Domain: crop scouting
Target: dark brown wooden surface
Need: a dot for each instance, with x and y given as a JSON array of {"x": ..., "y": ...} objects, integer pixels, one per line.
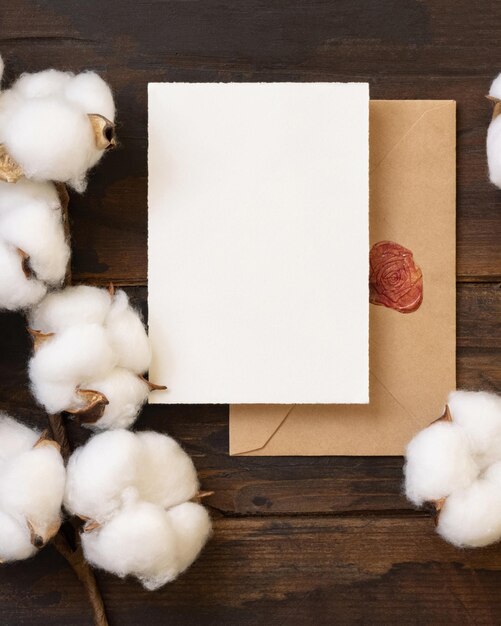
[{"x": 297, "y": 540}]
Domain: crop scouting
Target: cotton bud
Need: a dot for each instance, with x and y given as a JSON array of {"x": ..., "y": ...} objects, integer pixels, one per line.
[
  {"x": 134, "y": 491},
  {"x": 91, "y": 350},
  {"x": 32, "y": 478},
  {"x": 55, "y": 126},
  {"x": 34, "y": 252},
  {"x": 455, "y": 465}
]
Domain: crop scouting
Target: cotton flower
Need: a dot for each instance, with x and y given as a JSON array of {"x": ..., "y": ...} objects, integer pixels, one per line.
[
  {"x": 32, "y": 478},
  {"x": 56, "y": 126},
  {"x": 91, "y": 350},
  {"x": 34, "y": 252},
  {"x": 455, "y": 464},
  {"x": 134, "y": 491},
  {"x": 494, "y": 134}
]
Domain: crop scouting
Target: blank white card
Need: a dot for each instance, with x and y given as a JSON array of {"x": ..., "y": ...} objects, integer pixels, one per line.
[{"x": 258, "y": 242}]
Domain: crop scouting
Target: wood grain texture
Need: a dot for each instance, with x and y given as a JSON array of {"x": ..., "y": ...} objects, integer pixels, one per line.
[
  {"x": 405, "y": 49},
  {"x": 297, "y": 540},
  {"x": 274, "y": 571},
  {"x": 263, "y": 486}
]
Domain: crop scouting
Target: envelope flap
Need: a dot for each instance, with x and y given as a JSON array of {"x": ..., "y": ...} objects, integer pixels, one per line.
[
  {"x": 393, "y": 122},
  {"x": 253, "y": 425}
]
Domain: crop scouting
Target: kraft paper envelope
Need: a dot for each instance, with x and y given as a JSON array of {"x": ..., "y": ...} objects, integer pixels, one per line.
[{"x": 412, "y": 356}]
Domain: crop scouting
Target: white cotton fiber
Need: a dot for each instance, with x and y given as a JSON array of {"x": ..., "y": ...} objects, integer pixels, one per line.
[
  {"x": 494, "y": 138},
  {"x": 438, "y": 461},
  {"x": 32, "y": 478},
  {"x": 14, "y": 438},
  {"x": 73, "y": 355},
  {"x": 457, "y": 465},
  {"x": 136, "y": 487},
  {"x": 126, "y": 393},
  {"x": 471, "y": 517},
  {"x": 166, "y": 474},
  {"x": 139, "y": 541},
  {"x": 126, "y": 332},
  {"x": 151, "y": 464},
  {"x": 495, "y": 88},
  {"x": 91, "y": 94},
  {"x": 32, "y": 485},
  {"x": 15, "y": 542},
  {"x": 41, "y": 84},
  {"x": 99, "y": 472},
  {"x": 478, "y": 413},
  {"x": 149, "y": 543},
  {"x": 70, "y": 307},
  {"x": 53, "y": 395},
  {"x": 24, "y": 191},
  {"x": 34, "y": 253},
  {"x": 45, "y": 125},
  {"x": 100, "y": 344},
  {"x": 16, "y": 291},
  {"x": 38, "y": 231},
  {"x": 191, "y": 524}
]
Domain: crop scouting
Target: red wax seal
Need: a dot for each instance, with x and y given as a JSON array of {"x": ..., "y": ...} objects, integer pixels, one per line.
[{"x": 395, "y": 281}]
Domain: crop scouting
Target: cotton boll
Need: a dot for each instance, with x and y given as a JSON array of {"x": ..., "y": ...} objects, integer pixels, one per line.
[
  {"x": 493, "y": 474},
  {"x": 25, "y": 191},
  {"x": 494, "y": 151},
  {"x": 14, "y": 438},
  {"x": 73, "y": 355},
  {"x": 138, "y": 541},
  {"x": 478, "y": 414},
  {"x": 99, "y": 472},
  {"x": 32, "y": 241},
  {"x": 15, "y": 543},
  {"x": 108, "y": 364},
  {"x": 438, "y": 461},
  {"x": 41, "y": 84},
  {"x": 51, "y": 141},
  {"x": 126, "y": 394},
  {"x": 39, "y": 232},
  {"x": 32, "y": 477},
  {"x": 494, "y": 138},
  {"x": 32, "y": 486},
  {"x": 46, "y": 129},
  {"x": 192, "y": 526},
  {"x": 91, "y": 94},
  {"x": 16, "y": 290},
  {"x": 495, "y": 88},
  {"x": 61, "y": 363},
  {"x": 72, "y": 306},
  {"x": 128, "y": 335},
  {"x": 126, "y": 484},
  {"x": 471, "y": 517},
  {"x": 166, "y": 474},
  {"x": 55, "y": 397}
]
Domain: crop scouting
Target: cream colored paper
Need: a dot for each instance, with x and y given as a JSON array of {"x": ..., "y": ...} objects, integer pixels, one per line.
[
  {"x": 412, "y": 356},
  {"x": 258, "y": 235}
]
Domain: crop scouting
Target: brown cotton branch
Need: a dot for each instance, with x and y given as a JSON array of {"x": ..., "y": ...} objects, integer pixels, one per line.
[
  {"x": 84, "y": 573},
  {"x": 74, "y": 555},
  {"x": 59, "y": 434}
]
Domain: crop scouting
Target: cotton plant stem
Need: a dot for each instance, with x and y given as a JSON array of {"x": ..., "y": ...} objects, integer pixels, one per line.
[
  {"x": 60, "y": 434},
  {"x": 74, "y": 556},
  {"x": 84, "y": 573}
]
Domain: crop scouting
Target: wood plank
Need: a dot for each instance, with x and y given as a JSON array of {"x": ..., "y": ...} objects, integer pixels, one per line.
[
  {"x": 405, "y": 50},
  {"x": 287, "y": 485},
  {"x": 322, "y": 570}
]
